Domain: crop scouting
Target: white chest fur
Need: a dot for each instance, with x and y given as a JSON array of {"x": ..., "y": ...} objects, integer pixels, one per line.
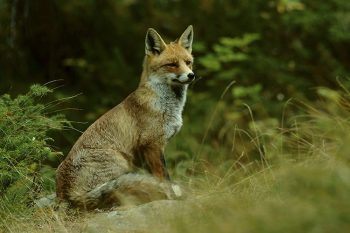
[{"x": 170, "y": 102}]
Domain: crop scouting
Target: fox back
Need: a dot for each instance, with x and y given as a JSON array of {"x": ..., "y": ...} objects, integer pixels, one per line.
[{"x": 119, "y": 159}]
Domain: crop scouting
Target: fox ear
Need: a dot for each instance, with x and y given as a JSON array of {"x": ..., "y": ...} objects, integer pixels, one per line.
[
  {"x": 186, "y": 38},
  {"x": 154, "y": 43}
]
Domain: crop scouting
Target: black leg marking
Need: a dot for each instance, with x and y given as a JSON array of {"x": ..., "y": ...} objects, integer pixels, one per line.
[{"x": 162, "y": 157}]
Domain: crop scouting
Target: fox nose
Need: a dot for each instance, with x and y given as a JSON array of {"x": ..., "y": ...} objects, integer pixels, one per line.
[{"x": 191, "y": 76}]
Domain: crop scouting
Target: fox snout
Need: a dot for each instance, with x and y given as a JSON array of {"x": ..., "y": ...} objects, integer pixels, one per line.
[
  {"x": 185, "y": 78},
  {"x": 191, "y": 76}
]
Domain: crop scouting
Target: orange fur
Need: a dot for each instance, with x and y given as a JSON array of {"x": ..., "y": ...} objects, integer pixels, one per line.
[{"x": 112, "y": 155}]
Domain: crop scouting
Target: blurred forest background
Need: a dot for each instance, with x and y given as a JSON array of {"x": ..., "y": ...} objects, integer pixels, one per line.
[
  {"x": 273, "y": 50},
  {"x": 253, "y": 60}
]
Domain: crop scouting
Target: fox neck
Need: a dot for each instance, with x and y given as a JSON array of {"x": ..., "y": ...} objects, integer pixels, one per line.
[{"x": 168, "y": 98}]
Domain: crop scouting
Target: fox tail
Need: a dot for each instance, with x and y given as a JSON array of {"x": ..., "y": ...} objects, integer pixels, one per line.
[{"x": 130, "y": 188}]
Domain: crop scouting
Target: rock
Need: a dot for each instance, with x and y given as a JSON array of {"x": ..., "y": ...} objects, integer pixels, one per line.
[
  {"x": 155, "y": 216},
  {"x": 46, "y": 201}
]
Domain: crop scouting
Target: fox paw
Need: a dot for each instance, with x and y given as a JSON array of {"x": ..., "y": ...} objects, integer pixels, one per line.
[{"x": 177, "y": 190}]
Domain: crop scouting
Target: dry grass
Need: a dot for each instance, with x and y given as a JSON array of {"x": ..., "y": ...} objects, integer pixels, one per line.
[{"x": 303, "y": 187}]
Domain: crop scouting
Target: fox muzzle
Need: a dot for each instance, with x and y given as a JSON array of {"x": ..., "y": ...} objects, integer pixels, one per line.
[{"x": 184, "y": 78}]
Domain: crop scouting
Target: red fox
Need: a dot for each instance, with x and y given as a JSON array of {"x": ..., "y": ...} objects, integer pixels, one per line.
[{"x": 120, "y": 157}]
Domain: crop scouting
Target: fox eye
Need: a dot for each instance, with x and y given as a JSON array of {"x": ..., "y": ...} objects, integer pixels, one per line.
[
  {"x": 172, "y": 64},
  {"x": 188, "y": 63}
]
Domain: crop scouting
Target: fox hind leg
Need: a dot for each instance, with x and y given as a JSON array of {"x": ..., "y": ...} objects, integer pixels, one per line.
[{"x": 128, "y": 189}]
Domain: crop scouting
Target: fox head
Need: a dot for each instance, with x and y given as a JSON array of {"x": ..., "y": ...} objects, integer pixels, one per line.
[{"x": 168, "y": 63}]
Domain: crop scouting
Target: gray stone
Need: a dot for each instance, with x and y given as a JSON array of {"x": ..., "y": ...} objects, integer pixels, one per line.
[
  {"x": 155, "y": 216},
  {"x": 47, "y": 201}
]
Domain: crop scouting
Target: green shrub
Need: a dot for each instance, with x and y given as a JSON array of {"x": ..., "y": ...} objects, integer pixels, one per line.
[{"x": 25, "y": 143}]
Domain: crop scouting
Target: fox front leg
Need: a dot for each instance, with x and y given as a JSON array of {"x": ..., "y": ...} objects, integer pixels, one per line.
[
  {"x": 156, "y": 163},
  {"x": 151, "y": 158},
  {"x": 175, "y": 187},
  {"x": 177, "y": 191}
]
